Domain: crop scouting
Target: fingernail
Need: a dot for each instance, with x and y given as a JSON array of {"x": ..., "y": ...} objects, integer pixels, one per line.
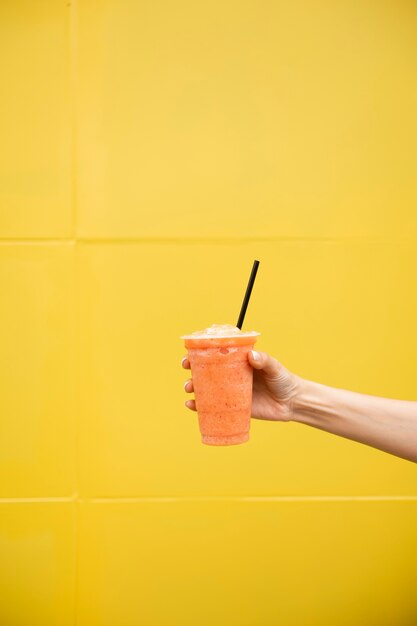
[
  {"x": 255, "y": 355},
  {"x": 185, "y": 384},
  {"x": 183, "y": 360}
]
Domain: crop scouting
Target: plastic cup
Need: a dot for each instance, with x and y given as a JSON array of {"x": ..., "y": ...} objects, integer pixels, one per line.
[{"x": 222, "y": 379}]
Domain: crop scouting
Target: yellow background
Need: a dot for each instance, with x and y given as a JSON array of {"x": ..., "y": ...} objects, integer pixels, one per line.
[{"x": 149, "y": 152}]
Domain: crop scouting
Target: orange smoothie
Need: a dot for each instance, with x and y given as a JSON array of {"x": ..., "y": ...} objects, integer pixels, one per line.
[{"x": 222, "y": 379}]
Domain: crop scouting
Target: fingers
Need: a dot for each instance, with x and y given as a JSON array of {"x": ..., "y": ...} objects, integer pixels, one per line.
[
  {"x": 188, "y": 386},
  {"x": 262, "y": 361},
  {"x": 186, "y": 363}
]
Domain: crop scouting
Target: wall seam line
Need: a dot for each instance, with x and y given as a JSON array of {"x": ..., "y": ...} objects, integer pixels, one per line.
[
  {"x": 179, "y": 499},
  {"x": 254, "y": 499},
  {"x": 73, "y": 43},
  {"x": 200, "y": 240}
]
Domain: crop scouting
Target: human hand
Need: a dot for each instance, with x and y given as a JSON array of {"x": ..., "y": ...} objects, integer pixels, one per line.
[{"x": 274, "y": 388}]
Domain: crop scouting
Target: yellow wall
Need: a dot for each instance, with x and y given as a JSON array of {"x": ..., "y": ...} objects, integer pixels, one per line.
[{"x": 149, "y": 152}]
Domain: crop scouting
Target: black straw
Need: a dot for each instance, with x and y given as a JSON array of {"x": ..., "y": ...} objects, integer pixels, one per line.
[{"x": 247, "y": 294}]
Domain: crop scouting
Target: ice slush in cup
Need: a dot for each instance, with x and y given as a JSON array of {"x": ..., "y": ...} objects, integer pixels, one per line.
[{"x": 222, "y": 379}]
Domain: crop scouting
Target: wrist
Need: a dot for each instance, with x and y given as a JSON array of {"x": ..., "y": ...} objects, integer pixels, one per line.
[{"x": 308, "y": 406}]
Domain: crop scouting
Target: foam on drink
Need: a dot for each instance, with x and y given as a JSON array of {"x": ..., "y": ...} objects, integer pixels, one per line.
[{"x": 220, "y": 330}]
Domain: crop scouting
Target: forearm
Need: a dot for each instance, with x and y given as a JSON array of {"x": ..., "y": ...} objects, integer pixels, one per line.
[{"x": 390, "y": 425}]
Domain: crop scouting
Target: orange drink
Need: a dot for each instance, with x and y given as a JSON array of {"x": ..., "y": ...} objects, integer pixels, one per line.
[{"x": 222, "y": 379}]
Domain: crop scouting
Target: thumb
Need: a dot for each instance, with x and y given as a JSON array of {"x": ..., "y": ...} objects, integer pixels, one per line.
[{"x": 262, "y": 361}]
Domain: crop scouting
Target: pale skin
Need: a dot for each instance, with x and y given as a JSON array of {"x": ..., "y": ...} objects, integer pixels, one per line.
[{"x": 279, "y": 395}]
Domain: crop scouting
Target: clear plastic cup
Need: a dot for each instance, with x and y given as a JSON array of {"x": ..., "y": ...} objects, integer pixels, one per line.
[{"x": 222, "y": 379}]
